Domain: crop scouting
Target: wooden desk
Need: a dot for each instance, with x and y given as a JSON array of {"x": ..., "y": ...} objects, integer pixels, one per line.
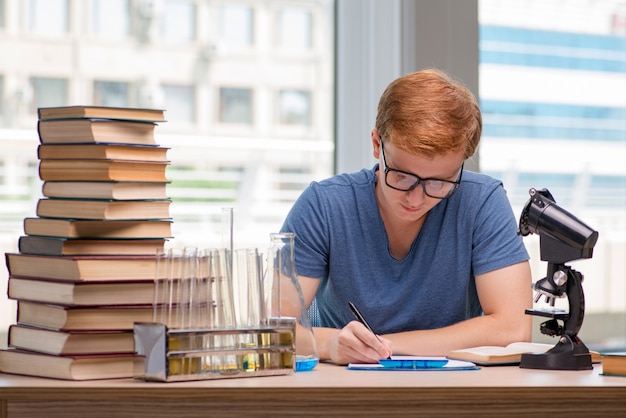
[{"x": 329, "y": 391}]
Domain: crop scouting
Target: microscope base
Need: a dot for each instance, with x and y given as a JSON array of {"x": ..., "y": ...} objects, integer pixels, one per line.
[{"x": 567, "y": 354}]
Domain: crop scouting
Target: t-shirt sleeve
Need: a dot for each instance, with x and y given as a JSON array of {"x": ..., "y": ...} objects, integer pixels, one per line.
[
  {"x": 307, "y": 219},
  {"x": 496, "y": 243}
]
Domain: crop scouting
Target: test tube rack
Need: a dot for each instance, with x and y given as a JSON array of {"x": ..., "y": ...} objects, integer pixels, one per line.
[{"x": 174, "y": 355}]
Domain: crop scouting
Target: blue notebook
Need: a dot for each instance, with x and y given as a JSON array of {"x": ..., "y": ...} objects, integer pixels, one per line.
[{"x": 415, "y": 363}]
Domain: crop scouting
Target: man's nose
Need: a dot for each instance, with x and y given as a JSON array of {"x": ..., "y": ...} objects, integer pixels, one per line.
[{"x": 416, "y": 195}]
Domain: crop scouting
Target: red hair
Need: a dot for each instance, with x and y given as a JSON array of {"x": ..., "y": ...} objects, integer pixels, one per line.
[{"x": 428, "y": 113}]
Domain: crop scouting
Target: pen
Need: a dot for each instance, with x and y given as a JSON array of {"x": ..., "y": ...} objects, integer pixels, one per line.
[{"x": 362, "y": 320}]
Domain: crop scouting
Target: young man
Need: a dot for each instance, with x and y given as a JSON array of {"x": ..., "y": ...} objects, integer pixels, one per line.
[{"x": 428, "y": 252}]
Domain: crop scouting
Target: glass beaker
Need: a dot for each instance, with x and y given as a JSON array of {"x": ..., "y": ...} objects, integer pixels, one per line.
[
  {"x": 167, "y": 287},
  {"x": 247, "y": 286},
  {"x": 284, "y": 297}
]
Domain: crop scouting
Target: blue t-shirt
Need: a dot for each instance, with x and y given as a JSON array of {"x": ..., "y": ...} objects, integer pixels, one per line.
[{"x": 341, "y": 239}]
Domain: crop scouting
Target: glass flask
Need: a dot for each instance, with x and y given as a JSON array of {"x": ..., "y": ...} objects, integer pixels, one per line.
[{"x": 284, "y": 298}]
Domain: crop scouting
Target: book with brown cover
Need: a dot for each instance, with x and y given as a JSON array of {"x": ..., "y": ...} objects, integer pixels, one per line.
[
  {"x": 31, "y": 244},
  {"x": 82, "y": 293},
  {"x": 101, "y": 152},
  {"x": 96, "y": 228},
  {"x": 614, "y": 364},
  {"x": 75, "y": 318},
  {"x": 64, "y": 131},
  {"x": 70, "y": 342},
  {"x": 103, "y": 209},
  {"x": 106, "y": 190},
  {"x": 86, "y": 367},
  {"x": 78, "y": 297},
  {"x": 101, "y": 112},
  {"x": 80, "y": 268},
  {"x": 102, "y": 170}
]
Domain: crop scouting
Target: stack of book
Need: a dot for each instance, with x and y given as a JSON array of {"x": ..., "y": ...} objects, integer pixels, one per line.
[{"x": 85, "y": 268}]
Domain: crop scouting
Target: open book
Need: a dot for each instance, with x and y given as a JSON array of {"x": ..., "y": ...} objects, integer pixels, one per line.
[{"x": 511, "y": 354}]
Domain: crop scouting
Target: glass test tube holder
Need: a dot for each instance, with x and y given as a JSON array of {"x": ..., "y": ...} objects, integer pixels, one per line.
[{"x": 174, "y": 355}]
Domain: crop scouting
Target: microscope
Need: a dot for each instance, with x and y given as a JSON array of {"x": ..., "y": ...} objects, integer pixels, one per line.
[{"x": 562, "y": 238}]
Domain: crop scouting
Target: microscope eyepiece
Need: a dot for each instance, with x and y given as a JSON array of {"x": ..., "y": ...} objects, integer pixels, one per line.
[{"x": 571, "y": 238}]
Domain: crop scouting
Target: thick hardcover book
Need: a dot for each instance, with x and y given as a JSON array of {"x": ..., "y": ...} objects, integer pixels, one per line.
[
  {"x": 70, "y": 342},
  {"x": 101, "y": 112},
  {"x": 102, "y": 170},
  {"x": 95, "y": 228},
  {"x": 101, "y": 152},
  {"x": 81, "y": 294},
  {"x": 31, "y": 244},
  {"x": 614, "y": 364},
  {"x": 73, "y": 318},
  {"x": 71, "y": 131},
  {"x": 106, "y": 190},
  {"x": 86, "y": 367},
  {"x": 104, "y": 209},
  {"x": 79, "y": 268}
]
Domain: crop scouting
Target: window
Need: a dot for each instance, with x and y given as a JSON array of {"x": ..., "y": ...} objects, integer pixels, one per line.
[
  {"x": 180, "y": 103},
  {"x": 235, "y": 105},
  {"x": 48, "y": 92},
  {"x": 294, "y": 29},
  {"x": 110, "y": 18},
  {"x": 236, "y": 25},
  {"x": 553, "y": 95},
  {"x": 47, "y": 17},
  {"x": 231, "y": 144},
  {"x": 294, "y": 107},
  {"x": 110, "y": 93},
  {"x": 568, "y": 88},
  {"x": 607, "y": 191},
  {"x": 178, "y": 23}
]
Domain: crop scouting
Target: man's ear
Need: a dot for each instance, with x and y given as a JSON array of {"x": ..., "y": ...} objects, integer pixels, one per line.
[{"x": 375, "y": 143}]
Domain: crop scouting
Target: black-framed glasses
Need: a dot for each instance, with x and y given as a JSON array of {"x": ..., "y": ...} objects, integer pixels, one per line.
[{"x": 405, "y": 182}]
